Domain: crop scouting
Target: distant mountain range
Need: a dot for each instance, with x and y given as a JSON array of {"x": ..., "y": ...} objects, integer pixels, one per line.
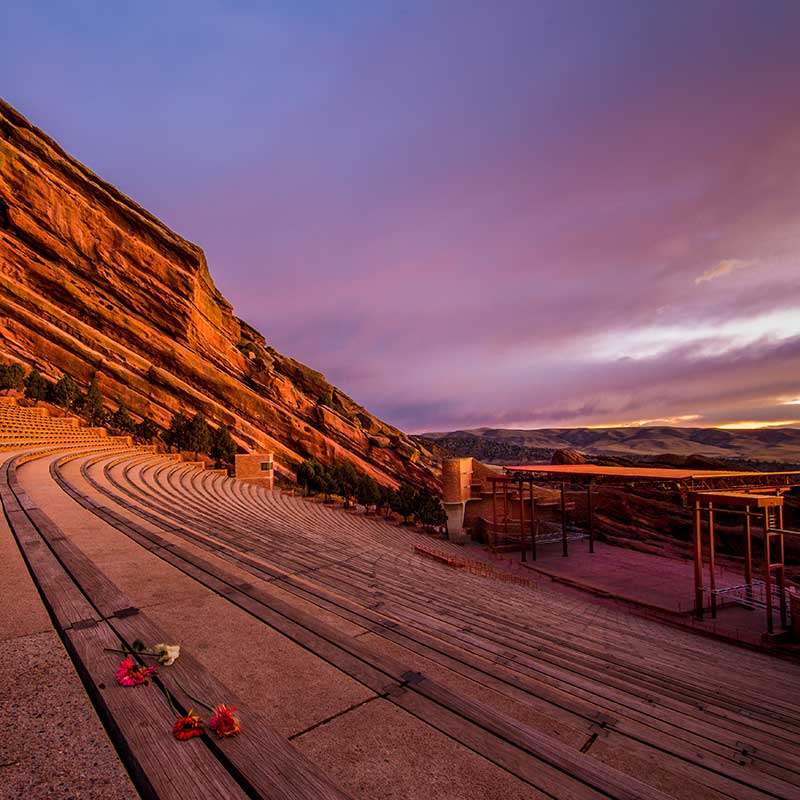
[{"x": 779, "y": 446}]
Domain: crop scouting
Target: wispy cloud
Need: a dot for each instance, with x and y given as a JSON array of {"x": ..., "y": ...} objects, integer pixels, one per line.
[
  {"x": 543, "y": 237},
  {"x": 725, "y": 267},
  {"x": 754, "y": 424},
  {"x": 680, "y": 420}
]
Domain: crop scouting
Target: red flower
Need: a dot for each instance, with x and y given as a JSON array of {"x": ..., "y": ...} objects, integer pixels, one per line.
[
  {"x": 223, "y": 723},
  {"x": 187, "y": 727},
  {"x": 132, "y": 674}
]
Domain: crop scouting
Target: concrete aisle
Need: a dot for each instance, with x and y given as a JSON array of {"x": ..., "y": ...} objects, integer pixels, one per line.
[{"x": 53, "y": 745}]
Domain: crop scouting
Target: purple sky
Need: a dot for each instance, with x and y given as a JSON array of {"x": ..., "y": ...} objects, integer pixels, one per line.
[{"x": 518, "y": 214}]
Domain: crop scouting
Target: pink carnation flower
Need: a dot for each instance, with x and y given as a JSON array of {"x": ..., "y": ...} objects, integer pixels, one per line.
[
  {"x": 132, "y": 674},
  {"x": 223, "y": 723}
]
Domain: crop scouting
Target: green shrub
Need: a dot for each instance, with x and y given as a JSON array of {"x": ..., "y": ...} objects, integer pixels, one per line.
[
  {"x": 223, "y": 448},
  {"x": 12, "y": 376},
  {"x": 36, "y": 387},
  {"x": 65, "y": 392}
]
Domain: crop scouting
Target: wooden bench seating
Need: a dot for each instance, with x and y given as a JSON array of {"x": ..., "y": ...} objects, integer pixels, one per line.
[
  {"x": 549, "y": 765},
  {"x": 685, "y": 728},
  {"x": 629, "y": 686},
  {"x": 91, "y": 613},
  {"x": 681, "y": 692}
]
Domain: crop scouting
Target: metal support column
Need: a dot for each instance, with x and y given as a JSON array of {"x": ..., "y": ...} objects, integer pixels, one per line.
[
  {"x": 712, "y": 576},
  {"x": 564, "y": 547},
  {"x": 767, "y": 570},
  {"x": 505, "y": 512},
  {"x": 533, "y": 521},
  {"x": 494, "y": 515},
  {"x": 748, "y": 558},
  {"x": 781, "y": 574},
  {"x": 698, "y": 562},
  {"x": 590, "y": 517},
  {"x": 523, "y": 556}
]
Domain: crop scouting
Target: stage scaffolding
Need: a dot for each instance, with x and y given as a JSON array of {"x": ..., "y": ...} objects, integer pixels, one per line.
[{"x": 756, "y": 496}]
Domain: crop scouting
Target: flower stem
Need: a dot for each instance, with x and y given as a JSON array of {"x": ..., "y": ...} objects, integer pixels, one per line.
[
  {"x": 168, "y": 695},
  {"x": 130, "y": 652},
  {"x": 194, "y": 699}
]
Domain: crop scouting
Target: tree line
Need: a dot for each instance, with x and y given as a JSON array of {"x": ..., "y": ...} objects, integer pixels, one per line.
[
  {"x": 344, "y": 480},
  {"x": 194, "y": 434},
  {"x": 184, "y": 433},
  {"x": 66, "y": 394}
]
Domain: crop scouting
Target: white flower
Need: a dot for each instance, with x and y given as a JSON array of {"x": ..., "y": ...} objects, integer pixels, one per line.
[{"x": 167, "y": 653}]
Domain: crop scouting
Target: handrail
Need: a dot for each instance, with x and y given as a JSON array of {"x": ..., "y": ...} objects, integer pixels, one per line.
[{"x": 783, "y": 531}]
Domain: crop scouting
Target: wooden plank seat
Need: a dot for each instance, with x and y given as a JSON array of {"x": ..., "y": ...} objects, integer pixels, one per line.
[
  {"x": 560, "y": 770},
  {"x": 91, "y": 613},
  {"x": 786, "y": 791}
]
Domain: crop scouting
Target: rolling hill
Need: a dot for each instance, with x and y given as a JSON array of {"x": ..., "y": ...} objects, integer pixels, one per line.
[{"x": 503, "y": 446}]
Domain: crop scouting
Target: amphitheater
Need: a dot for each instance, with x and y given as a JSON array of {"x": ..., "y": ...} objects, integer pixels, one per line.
[{"x": 359, "y": 668}]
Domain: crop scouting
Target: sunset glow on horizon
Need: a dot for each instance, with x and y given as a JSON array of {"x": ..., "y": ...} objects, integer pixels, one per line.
[{"x": 551, "y": 214}]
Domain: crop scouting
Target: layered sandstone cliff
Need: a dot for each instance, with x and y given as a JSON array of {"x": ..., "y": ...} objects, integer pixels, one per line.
[{"x": 91, "y": 283}]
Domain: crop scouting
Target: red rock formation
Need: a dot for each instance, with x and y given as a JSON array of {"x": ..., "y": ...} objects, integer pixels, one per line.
[
  {"x": 91, "y": 283},
  {"x": 567, "y": 457}
]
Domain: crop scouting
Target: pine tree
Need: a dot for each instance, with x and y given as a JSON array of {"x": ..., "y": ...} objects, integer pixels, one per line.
[
  {"x": 93, "y": 403},
  {"x": 429, "y": 511},
  {"x": 326, "y": 482},
  {"x": 405, "y": 501},
  {"x": 36, "y": 387},
  {"x": 308, "y": 476},
  {"x": 368, "y": 492},
  {"x": 65, "y": 392},
  {"x": 223, "y": 448},
  {"x": 146, "y": 429},
  {"x": 122, "y": 421},
  {"x": 12, "y": 376},
  {"x": 345, "y": 479},
  {"x": 177, "y": 434},
  {"x": 388, "y": 499},
  {"x": 198, "y": 435}
]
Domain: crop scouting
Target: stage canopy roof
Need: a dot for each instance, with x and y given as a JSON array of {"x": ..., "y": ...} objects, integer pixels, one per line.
[{"x": 685, "y": 479}]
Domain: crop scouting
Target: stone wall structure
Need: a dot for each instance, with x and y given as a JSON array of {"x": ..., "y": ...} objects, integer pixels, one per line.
[
  {"x": 458, "y": 476},
  {"x": 258, "y": 468}
]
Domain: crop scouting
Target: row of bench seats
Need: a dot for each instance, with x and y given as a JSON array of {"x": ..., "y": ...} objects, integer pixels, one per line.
[
  {"x": 24, "y": 426},
  {"x": 522, "y": 674},
  {"x": 652, "y": 691},
  {"x": 90, "y": 613}
]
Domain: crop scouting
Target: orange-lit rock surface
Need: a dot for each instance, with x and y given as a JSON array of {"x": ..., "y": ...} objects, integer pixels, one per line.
[{"x": 91, "y": 283}]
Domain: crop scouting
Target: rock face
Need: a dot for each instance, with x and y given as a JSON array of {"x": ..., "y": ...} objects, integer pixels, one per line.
[
  {"x": 567, "y": 457},
  {"x": 91, "y": 283}
]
